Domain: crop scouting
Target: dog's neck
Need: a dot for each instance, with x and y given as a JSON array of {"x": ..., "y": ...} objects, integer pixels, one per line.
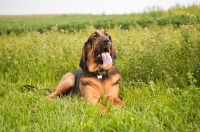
[
  {"x": 100, "y": 73},
  {"x": 92, "y": 66}
]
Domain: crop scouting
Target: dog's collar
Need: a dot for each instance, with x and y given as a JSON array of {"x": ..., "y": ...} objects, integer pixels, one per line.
[{"x": 99, "y": 73}]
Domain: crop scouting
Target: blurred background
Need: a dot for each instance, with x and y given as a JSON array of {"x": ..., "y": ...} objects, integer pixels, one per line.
[{"x": 34, "y": 7}]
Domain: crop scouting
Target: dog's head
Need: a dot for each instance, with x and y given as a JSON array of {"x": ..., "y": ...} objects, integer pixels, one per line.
[{"x": 99, "y": 42}]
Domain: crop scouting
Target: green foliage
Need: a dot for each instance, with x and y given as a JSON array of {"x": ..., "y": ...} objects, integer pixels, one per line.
[
  {"x": 175, "y": 16},
  {"x": 160, "y": 53},
  {"x": 160, "y": 68},
  {"x": 34, "y": 55}
]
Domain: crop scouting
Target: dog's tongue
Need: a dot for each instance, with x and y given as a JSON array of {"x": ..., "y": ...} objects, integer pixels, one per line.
[{"x": 106, "y": 58}]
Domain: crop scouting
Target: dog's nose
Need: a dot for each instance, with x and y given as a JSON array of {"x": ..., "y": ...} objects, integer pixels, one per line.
[{"x": 105, "y": 39}]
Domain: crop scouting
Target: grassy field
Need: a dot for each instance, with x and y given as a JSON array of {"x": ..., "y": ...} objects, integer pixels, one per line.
[
  {"x": 175, "y": 16},
  {"x": 160, "y": 67}
]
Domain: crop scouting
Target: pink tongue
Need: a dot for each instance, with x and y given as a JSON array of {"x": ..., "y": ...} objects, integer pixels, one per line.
[{"x": 106, "y": 58}]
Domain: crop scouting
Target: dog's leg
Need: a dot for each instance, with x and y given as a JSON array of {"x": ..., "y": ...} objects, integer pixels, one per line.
[
  {"x": 65, "y": 84},
  {"x": 95, "y": 101},
  {"x": 115, "y": 100},
  {"x": 92, "y": 95}
]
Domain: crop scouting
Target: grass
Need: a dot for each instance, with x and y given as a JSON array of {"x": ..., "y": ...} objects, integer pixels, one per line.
[
  {"x": 175, "y": 16},
  {"x": 160, "y": 80},
  {"x": 150, "y": 108}
]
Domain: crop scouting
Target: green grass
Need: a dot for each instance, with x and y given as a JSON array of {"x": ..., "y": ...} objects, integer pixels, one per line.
[
  {"x": 175, "y": 16},
  {"x": 160, "y": 80},
  {"x": 146, "y": 109}
]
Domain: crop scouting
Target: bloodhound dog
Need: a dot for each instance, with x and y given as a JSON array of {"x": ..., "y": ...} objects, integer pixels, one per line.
[{"x": 98, "y": 77}]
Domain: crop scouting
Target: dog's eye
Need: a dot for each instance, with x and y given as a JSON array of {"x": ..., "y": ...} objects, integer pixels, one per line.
[{"x": 95, "y": 35}]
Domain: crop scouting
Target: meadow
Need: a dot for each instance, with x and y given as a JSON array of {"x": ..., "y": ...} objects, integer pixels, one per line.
[
  {"x": 160, "y": 68},
  {"x": 176, "y": 16}
]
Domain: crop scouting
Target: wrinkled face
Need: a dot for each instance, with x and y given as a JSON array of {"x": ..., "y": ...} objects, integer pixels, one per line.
[{"x": 99, "y": 42}]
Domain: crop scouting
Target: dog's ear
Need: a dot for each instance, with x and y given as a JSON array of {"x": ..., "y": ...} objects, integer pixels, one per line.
[
  {"x": 113, "y": 53},
  {"x": 112, "y": 49},
  {"x": 83, "y": 60}
]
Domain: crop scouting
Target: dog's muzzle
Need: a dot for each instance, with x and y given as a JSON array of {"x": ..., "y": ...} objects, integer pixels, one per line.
[{"x": 103, "y": 46}]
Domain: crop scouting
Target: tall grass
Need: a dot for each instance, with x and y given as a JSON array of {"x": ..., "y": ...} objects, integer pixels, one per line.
[
  {"x": 157, "y": 53},
  {"x": 160, "y": 80}
]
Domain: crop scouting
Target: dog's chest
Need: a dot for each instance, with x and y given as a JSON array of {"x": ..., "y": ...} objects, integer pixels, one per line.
[{"x": 101, "y": 82}]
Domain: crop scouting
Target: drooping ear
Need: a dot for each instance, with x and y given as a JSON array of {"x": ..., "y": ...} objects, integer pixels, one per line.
[
  {"x": 83, "y": 60},
  {"x": 113, "y": 53},
  {"x": 112, "y": 49}
]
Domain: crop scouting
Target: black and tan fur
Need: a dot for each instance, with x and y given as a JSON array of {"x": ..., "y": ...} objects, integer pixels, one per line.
[{"x": 85, "y": 81}]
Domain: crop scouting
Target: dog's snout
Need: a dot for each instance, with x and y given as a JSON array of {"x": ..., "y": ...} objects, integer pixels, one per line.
[{"x": 105, "y": 39}]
